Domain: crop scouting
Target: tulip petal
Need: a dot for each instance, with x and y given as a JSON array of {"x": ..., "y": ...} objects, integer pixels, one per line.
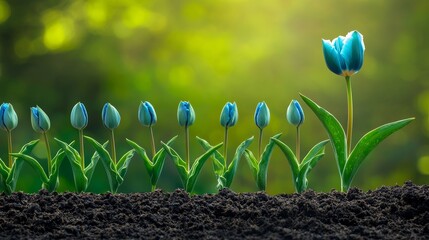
[
  {"x": 332, "y": 57},
  {"x": 353, "y": 52}
]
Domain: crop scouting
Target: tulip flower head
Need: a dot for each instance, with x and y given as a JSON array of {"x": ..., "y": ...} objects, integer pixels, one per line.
[
  {"x": 262, "y": 115},
  {"x": 185, "y": 114},
  {"x": 79, "y": 116},
  {"x": 39, "y": 120},
  {"x": 229, "y": 115},
  {"x": 147, "y": 114},
  {"x": 110, "y": 116},
  {"x": 8, "y": 117},
  {"x": 295, "y": 114},
  {"x": 344, "y": 55}
]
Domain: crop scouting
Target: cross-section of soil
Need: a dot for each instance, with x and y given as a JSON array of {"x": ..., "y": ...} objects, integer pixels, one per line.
[{"x": 400, "y": 212}]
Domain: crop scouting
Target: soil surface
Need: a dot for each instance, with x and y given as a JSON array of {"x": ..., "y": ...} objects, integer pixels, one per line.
[{"x": 399, "y": 212}]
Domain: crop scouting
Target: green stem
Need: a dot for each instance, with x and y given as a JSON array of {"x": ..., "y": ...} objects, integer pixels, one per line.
[
  {"x": 113, "y": 148},
  {"x": 187, "y": 147},
  {"x": 9, "y": 147},
  {"x": 298, "y": 145},
  {"x": 153, "y": 142},
  {"x": 82, "y": 150},
  {"x": 260, "y": 143},
  {"x": 48, "y": 149},
  {"x": 153, "y": 188},
  {"x": 350, "y": 115},
  {"x": 225, "y": 150}
]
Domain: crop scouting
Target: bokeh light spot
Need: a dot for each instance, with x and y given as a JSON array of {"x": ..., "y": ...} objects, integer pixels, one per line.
[
  {"x": 4, "y": 11},
  {"x": 423, "y": 165}
]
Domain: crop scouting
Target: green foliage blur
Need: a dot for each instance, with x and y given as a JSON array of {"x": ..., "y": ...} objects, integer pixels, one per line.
[{"x": 56, "y": 53}]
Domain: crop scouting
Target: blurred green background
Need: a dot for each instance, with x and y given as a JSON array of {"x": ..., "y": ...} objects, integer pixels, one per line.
[{"x": 56, "y": 53}]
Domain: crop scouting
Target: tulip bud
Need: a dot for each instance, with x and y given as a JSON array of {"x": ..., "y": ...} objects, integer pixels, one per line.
[
  {"x": 79, "y": 116},
  {"x": 146, "y": 114},
  {"x": 185, "y": 114},
  {"x": 262, "y": 115},
  {"x": 295, "y": 114},
  {"x": 229, "y": 115},
  {"x": 8, "y": 117},
  {"x": 39, "y": 120},
  {"x": 110, "y": 116},
  {"x": 344, "y": 55}
]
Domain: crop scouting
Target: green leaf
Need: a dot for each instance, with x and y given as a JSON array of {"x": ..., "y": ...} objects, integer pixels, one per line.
[
  {"x": 253, "y": 163},
  {"x": 123, "y": 163},
  {"x": 34, "y": 164},
  {"x": 178, "y": 162},
  {"x": 107, "y": 162},
  {"x": 290, "y": 157},
  {"x": 89, "y": 169},
  {"x": 142, "y": 153},
  {"x": 53, "y": 180},
  {"x": 232, "y": 168},
  {"x": 309, "y": 158},
  {"x": 366, "y": 144},
  {"x": 218, "y": 159},
  {"x": 4, "y": 170},
  {"x": 80, "y": 180},
  {"x": 197, "y": 166},
  {"x": 335, "y": 132},
  {"x": 263, "y": 164},
  {"x": 158, "y": 163}
]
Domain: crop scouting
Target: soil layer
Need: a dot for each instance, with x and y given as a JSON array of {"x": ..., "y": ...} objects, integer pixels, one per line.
[{"x": 399, "y": 212}]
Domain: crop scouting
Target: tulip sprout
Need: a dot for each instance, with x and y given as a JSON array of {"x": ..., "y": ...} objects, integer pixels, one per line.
[
  {"x": 147, "y": 118},
  {"x": 224, "y": 173},
  {"x": 260, "y": 167},
  {"x": 115, "y": 170},
  {"x": 188, "y": 175},
  {"x": 300, "y": 170},
  {"x": 41, "y": 124},
  {"x": 82, "y": 175},
  {"x": 344, "y": 56}
]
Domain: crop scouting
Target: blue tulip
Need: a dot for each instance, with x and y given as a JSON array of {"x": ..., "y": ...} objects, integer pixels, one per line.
[
  {"x": 110, "y": 116},
  {"x": 344, "y": 55},
  {"x": 295, "y": 114},
  {"x": 39, "y": 120},
  {"x": 79, "y": 116},
  {"x": 8, "y": 117},
  {"x": 185, "y": 114},
  {"x": 147, "y": 114},
  {"x": 229, "y": 115},
  {"x": 262, "y": 115}
]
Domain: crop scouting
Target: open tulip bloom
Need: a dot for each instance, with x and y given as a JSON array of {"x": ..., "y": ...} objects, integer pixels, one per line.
[
  {"x": 188, "y": 173},
  {"x": 344, "y": 56},
  {"x": 147, "y": 118},
  {"x": 225, "y": 173}
]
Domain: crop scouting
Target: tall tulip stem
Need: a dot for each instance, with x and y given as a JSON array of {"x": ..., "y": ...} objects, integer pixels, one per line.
[
  {"x": 82, "y": 150},
  {"x": 48, "y": 150},
  {"x": 9, "y": 147},
  {"x": 188, "y": 159},
  {"x": 298, "y": 144},
  {"x": 225, "y": 150},
  {"x": 113, "y": 147},
  {"x": 153, "y": 142},
  {"x": 350, "y": 114},
  {"x": 260, "y": 142}
]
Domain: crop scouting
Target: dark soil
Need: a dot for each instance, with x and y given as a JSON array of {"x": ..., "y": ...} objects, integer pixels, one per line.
[{"x": 400, "y": 212}]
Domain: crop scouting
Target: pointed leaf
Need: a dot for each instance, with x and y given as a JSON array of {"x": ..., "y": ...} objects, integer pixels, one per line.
[
  {"x": 34, "y": 164},
  {"x": 253, "y": 163},
  {"x": 89, "y": 170},
  {"x": 218, "y": 159},
  {"x": 316, "y": 150},
  {"x": 142, "y": 153},
  {"x": 123, "y": 163},
  {"x": 366, "y": 144},
  {"x": 197, "y": 166},
  {"x": 263, "y": 164},
  {"x": 178, "y": 162},
  {"x": 107, "y": 162},
  {"x": 4, "y": 170},
  {"x": 335, "y": 132},
  {"x": 80, "y": 180},
  {"x": 232, "y": 168},
  {"x": 290, "y": 157}
]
